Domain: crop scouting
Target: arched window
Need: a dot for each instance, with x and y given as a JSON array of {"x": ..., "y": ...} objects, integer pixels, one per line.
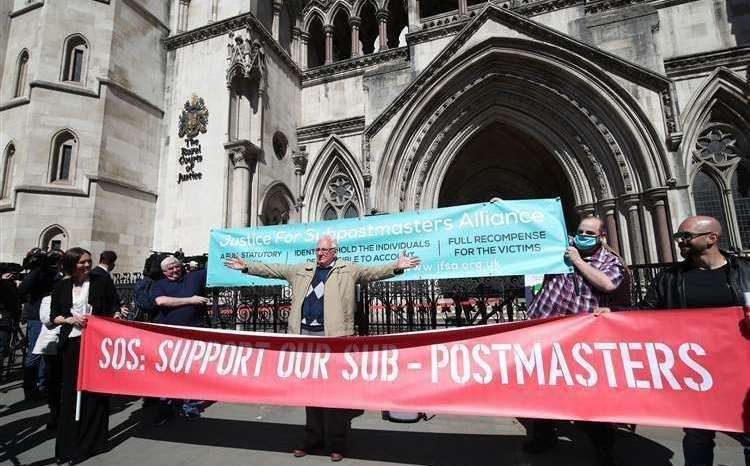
[
  {"x": 21, "y": 70},
  {"x": 53, "y": 237},
  {"x": 316, "y": 43},
  {"x": 277, "y": 206},
  {"x": 74, "y": 63},
  {"x": 342, "y": 36},
  {"x": 368, "y": 29},
  {"x": 708, "y": 201},
  {"x": 741, "y": 197},
  {"x": 398, "y": 21},
  {"x": 340, "y": 198},
  {"x": 64, "y": 148},
  {"x": 7, "y": 181}
]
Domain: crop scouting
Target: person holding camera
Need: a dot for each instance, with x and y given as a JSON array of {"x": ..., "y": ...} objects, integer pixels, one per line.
[
  {"x": 179, "y": 301},
  {"x": 43, "y": 272}
]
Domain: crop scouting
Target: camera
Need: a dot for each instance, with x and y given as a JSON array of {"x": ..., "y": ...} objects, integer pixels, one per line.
[
  {"x": 11, "y": 268},
  {"x": 39, "y": 258}
]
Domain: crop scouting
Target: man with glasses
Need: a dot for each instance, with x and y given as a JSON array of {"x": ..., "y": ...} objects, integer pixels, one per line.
[
  {"x": 323, "y": 304},
  {"x": 597, "y": 274},
  {"x": 708, "y": 277}
]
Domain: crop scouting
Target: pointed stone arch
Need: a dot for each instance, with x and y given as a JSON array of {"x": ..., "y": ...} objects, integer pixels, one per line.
[
  {"x": 277, "y": 203},
  {"x": 334, "y": 163},
  {"x": 309, "y": 15},
  {"x": 50, "y": 235},
  {"x": 335, "y": 8},
  {"x": 717, "y": 145}
]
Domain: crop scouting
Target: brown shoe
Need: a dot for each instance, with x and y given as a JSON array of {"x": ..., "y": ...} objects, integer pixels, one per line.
[
  {"x": 336, "y": 457},
  {"x": 299, "y": 453}
]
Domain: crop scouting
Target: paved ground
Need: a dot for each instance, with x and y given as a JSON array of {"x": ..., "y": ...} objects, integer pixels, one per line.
[{"x": 264, "y": 435}]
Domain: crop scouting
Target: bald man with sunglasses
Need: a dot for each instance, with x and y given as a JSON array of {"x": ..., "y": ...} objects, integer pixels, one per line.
[{"x": 708, "y": 277}]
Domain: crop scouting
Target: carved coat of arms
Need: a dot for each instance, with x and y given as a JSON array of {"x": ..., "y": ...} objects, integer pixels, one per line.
[{"x": 194, "y": 117}]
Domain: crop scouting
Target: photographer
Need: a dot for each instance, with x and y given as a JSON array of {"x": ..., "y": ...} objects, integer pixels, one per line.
[
  {"x": 43, "y": 272},
  {"x": 10, "y": 311}
]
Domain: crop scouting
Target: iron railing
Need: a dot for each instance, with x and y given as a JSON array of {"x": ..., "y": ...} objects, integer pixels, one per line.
[{"x": 390, "y": 307}]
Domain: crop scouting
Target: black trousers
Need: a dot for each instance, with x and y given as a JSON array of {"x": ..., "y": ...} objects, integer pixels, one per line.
[
  {"x": 79, "y": 440},
  {"x": 327, "y": 428},
  {"x": 54, "y": 384}
]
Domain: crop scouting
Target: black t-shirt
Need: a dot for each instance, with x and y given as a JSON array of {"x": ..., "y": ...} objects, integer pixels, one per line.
[{"x": 708, "y": 288}]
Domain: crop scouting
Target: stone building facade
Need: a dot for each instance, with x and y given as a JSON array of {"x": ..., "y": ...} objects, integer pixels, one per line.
[{"x": 142, "y": 124}]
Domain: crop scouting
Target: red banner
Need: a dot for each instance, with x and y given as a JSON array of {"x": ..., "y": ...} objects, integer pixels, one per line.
[{"x": 668, "y": 368}]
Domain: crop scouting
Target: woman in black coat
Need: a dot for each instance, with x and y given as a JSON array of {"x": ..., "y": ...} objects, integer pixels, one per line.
[{"x": 74, "y": 298}]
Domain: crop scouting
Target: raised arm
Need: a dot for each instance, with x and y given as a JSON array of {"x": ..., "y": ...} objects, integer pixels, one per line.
[
  {"x": 381, "y": 272},
  {"x": 281, "y": 271}
]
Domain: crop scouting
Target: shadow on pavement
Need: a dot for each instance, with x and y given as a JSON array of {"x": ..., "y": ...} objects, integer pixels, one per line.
[
  {"x": 22, "y": 435},
  {"x": 421, "y": 448}
]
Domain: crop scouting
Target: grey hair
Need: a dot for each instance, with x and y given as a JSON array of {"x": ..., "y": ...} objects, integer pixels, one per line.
[
  {"x": 334, "y": 243},
  {"x": 167, "y": 261}
]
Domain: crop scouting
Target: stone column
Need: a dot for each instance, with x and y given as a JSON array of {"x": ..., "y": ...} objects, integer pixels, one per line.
[
  {"x": 303, "y": 39},
  {"x": 609, "y": 209},
  {"x": 382, "y": 16},
  {"x": 243, "y": 156},
  {"x": 276, "y": 17},
  {"x": 463, "y": 8},
  {"x": 658, "y": 200},
  {"x": 584, "y": 210},
  {"x": 299, "y": 158},
  {"x": 635, "y": 233},
  {"x": 295, "y": 45},
  {"x": 354, "y": 22},
  {"x": 329, "y": 43},
  {"x": 412, "y": 11},
  {"x": 182, "y": 15}
]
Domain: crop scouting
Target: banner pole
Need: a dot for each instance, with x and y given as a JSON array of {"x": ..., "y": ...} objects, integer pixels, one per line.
[{"x": 78, "y": 405}]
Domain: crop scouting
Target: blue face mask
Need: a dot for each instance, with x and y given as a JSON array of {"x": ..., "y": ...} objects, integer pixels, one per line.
[{"x": 585, "y": 243}]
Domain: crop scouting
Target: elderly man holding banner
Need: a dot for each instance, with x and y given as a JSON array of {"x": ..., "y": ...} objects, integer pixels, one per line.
[{"x": 323, "y": 304}]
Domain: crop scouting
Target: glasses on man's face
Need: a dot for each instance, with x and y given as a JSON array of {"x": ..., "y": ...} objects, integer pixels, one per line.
[
  {"x": 323, "y": 250},
  {"x": 688, "y": 235}
]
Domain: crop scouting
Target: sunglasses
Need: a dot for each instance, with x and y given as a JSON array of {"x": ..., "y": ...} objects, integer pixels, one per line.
[{"x": 688, "y": 236}]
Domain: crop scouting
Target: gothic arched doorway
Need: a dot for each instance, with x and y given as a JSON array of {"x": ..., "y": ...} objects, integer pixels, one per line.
[{"x": 505, "y": 162}]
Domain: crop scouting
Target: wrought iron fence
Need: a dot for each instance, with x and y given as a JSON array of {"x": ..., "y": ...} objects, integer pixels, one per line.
[{"x": 390, "y": 307}]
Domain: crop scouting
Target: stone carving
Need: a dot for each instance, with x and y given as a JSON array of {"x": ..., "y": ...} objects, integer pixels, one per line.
[
  {"x": 717, "y": 146},
  {"x": 340, "y": 189},
  {"x": 245, "y": 55},
  {"x": 339, "y": 127},
  {"x": 601, "y": 176},
  {"x": 396, "y": 55},
  {"x": 194, "y": 118},
  {"x": 280, "y": 144},
  {"x": 707, "y": 61}
]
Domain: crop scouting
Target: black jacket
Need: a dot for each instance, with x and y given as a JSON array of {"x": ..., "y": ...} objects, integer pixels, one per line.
[
  {"x": 667, "y": 289},
  {"x": 35, "y": 286},
  {"x": 100, "y": 272},
  {"x": 102, "y": 297}
]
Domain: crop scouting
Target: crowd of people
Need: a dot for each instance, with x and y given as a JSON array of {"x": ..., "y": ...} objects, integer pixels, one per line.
[{"x": 61, "y": 289}]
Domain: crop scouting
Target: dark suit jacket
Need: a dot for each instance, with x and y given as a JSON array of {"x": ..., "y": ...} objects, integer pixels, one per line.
[
  {"x": 100, "y": 272},
  {"x": 102, "y": 297}
]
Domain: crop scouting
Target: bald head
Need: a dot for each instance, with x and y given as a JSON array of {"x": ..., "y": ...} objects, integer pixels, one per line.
[
  {"x": 698, "y": 238},
  {"x": 701, "y": 224}
]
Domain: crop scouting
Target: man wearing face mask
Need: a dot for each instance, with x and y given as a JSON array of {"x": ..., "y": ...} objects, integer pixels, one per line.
[
  {"x": 597, "y": 274},
  {"x": 708, "y": 277}
]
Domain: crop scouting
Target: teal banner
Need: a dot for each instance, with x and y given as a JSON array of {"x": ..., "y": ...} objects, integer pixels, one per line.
[{"x": 523, "y": 237}]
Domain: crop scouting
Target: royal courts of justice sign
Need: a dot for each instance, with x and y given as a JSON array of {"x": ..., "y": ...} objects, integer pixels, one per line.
[{"x": 519, "y": 237}]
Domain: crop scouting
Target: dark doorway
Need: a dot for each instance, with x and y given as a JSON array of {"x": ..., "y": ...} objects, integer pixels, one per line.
[{"x": 502, "y": 161}]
